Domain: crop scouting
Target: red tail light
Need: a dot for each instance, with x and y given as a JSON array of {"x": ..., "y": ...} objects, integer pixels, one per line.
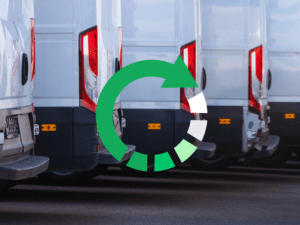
[
  {"x": 32, "y": 29},
  {"x": 121, "y": 47},
  {"x": 88, "y": 67},
  {"x": 188, "y": 54},
  {"x": 255, "y": 77},
  {"x": 32, "y": 105}
]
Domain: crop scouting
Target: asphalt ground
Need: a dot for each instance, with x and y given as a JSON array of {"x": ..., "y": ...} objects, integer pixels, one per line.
[{"x": 237, "y": 195}]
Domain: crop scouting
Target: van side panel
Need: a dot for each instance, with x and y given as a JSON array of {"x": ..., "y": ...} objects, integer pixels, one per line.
[
  {"x": 283, "y": 20},
  {"x": 226, "y": 63},
  {"x": 230, "y": 30},
  {"x": 57, "y": 85},
  {"x": 55, "y": 46},
  {"x": 155, "y": 31},
  {"x": 149, "y": 32}
]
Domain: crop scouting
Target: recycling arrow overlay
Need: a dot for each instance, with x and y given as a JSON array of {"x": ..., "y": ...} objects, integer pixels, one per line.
[{"x": 176, "y": 76}]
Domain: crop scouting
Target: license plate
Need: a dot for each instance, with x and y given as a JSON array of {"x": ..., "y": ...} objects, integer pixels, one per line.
[{"x": 12, "y": 128}]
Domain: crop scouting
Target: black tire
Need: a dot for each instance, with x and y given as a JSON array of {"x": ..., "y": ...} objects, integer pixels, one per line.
[
  {"x": 278, "y": 159},
  {"x": 3, "y": 185},
  {"x": 98, "y": 170},
  {"x": 214, "y": 163},
  {"x": 54, "y": 178}
]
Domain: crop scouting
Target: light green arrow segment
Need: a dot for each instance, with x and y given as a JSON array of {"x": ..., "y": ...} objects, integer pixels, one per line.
[
  {"x": 185, "y": 150},
  {"x": 176, "y": 76}
]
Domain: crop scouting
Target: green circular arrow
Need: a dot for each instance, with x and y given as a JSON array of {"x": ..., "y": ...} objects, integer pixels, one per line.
[{"x": 176, "y": 76}]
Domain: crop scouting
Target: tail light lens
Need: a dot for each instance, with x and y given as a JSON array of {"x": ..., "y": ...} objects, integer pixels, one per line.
[
  {"x": 88, "y": 67},
  {"x": 188, "y": 54},
  {"x": 32, "y": 29},
  {"x": 33, "y": 110},
  {"x": 255, "y": 78},
  {"x": 121, "y": 47}
]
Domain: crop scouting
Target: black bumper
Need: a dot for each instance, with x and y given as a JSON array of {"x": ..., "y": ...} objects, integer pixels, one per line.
[
  {"x": 24, "y": 168},
  {"x": 269, "y": 146},
  {"x": 107, "y": 159},
  {"x": 204, "y": 150}
]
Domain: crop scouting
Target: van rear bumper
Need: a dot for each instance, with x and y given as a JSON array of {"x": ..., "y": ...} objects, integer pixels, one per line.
[
  {"x": 267, "y": 147},
  {"x": 205, "y": 150},
  {"x": 27, "y": 167},
  {"x": 105, "y": 158}
]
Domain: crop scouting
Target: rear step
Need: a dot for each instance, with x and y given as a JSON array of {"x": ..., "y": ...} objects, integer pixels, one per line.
[
  {"x": 106, "y": 158},
  {"x": 269, "y": 144},
  {"x": 204, "y": 150},
  {"x": 24, "y": 168}
]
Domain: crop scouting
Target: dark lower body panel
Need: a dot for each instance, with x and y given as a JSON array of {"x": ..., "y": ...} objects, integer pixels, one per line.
[
  {"x": 75, "y": 145},
  {"x": 227, "y": 137},
  {"x": 287, "y": 129},
  {"x": 174, "y": 127}
]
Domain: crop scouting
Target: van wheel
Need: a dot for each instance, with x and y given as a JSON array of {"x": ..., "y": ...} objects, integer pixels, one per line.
[
  {"x": 98, "y": 170},
  {"x": 214, "y": 163},
  {"x": 62, "y": 178},
  {"x": 278, "y": 159},
  {"x": 3, "y": 185}
]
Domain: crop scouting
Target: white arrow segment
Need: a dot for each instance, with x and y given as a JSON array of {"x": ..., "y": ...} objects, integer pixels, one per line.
[
  {"x": 197, "y": 129},
  {"x": 198, "y": 104}
]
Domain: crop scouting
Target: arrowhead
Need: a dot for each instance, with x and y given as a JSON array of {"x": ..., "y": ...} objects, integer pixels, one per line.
[{"x": 180, "y": 76}]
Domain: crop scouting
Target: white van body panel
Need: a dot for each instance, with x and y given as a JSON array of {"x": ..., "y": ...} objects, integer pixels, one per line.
[
  {"x": 15, "y": 40},
  {"x": 159, "y": 30},
  {"x": 57, "y": 33},
  {"x": 283, "y": 20},
  {"x": 63, "y": 32},
  {"x": 230, "y": 30},
  {"x": 154, "y": 30},
  {"x": 284, "y": 50},
  {"x": 17, "y": 136}
]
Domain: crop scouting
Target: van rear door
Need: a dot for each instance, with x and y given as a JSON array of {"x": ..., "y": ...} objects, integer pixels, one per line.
[
  {"x": 24, "y": 23},
  {"x": 10, "y": 48}
]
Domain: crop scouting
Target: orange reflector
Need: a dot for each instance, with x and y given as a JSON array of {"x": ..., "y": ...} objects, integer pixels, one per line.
[
  {"x": 48, "y": 127},
  {"x": 290, "y": 116},
  {"x": 225, "y": 121},
  {"x": 154, "y": 126}
]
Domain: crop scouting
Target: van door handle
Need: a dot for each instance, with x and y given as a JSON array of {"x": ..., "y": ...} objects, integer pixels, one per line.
[
  {"x": 117, "y": 65},
  {"x": 269, "y": 79},
  {"x": 24, "y": 69},
  {"x": 204, "y": 79}
]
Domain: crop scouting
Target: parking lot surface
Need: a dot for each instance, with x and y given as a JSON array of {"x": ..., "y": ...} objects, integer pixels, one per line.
[{"x": 238, "y": 195}]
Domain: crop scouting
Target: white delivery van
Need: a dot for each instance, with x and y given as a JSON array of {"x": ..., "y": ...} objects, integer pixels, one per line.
[
  {"x": 161, "y": 30},
  {"x": 283, "y": 21},
  {"x": 78, "y": 50},
  {"x": 236, "y": 64},
  {"x": 17, "y": 70}
]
